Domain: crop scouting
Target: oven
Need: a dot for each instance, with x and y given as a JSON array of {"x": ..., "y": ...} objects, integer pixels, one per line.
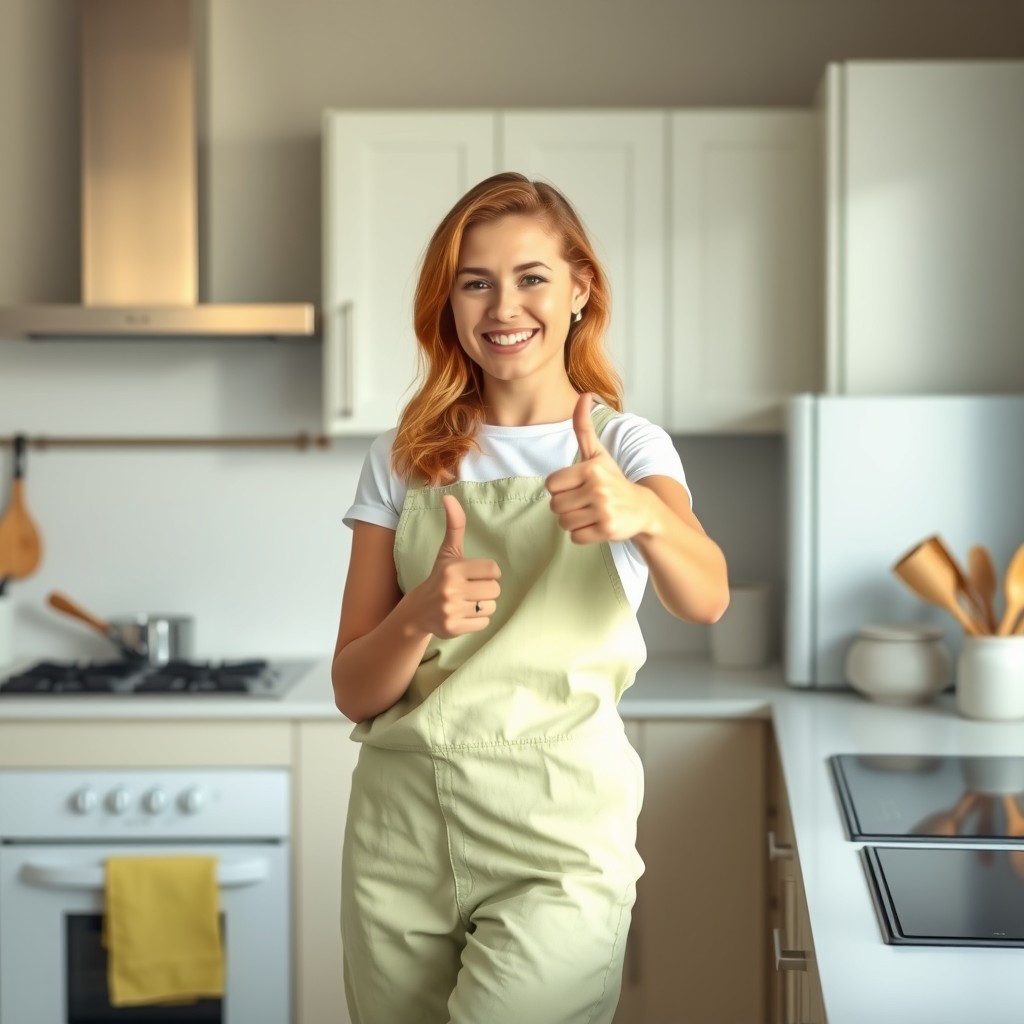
[{"x": 56, "y": 830}]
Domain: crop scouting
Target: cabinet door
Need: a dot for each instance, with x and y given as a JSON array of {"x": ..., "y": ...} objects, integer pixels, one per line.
[
  {"x": 746, "y": 262},
  {"x": 700, "y": 903},
  {"x": 610, "y": 165},
  {"x": 325, "y": 760},
  {"x": 389, "y": 178},
  {"x": 630, "y": 1008},
  {"x": 926, "y": 227}
]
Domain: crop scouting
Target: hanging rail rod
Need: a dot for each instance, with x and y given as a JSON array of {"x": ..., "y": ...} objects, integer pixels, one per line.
[{"x": 301, "y": 441}]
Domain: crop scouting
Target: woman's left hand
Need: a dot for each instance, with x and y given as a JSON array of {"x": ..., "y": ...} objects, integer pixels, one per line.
[{"x": 592, "y": 499}]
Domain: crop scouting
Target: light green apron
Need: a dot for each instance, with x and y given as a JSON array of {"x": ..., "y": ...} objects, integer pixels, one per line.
[{"x": 490, "y": 862}]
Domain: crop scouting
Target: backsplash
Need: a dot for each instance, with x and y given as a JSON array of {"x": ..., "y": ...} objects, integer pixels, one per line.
[{"x": 250, "y": 541}]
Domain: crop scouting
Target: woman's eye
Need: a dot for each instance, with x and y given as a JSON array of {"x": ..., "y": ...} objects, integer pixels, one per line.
[
  {"x": 475, "y": 286},
  {"x": 532, "y": 279}
]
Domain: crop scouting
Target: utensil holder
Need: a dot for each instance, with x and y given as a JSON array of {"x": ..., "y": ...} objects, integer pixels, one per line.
[{"x": 990, "y": 678}]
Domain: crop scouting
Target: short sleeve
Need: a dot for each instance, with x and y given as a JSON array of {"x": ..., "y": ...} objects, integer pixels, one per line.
[
  {"x": 643, "y": 449},
  {"x": 379, "y": 494}
]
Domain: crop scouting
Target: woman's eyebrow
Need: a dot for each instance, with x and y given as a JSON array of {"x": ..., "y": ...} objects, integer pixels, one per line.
[{"x": 482, "y": 272}]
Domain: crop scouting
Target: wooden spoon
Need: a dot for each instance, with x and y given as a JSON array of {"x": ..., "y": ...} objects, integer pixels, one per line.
[
  {"x": 62, "y": 603},
  {"x": 931, "y": 573},
  {"x": 981, "y": 572},
  {"x": 1013, "y": 589},
  {"x": 20, "y": 546}
]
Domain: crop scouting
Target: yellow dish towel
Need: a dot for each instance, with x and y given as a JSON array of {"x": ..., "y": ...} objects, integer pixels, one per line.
[{"x": 162, "y": 930}]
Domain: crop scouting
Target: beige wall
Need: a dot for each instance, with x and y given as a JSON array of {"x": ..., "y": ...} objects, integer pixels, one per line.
[
  {"x": 250, "y": 541},
  {"x": 271, "y": 66}
]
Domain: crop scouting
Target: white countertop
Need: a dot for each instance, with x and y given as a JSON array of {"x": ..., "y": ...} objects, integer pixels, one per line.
[{"x": 864, "y": 981}]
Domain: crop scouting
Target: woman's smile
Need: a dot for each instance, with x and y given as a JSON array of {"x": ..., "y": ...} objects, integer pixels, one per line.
[{"x": 509, "y": 341}]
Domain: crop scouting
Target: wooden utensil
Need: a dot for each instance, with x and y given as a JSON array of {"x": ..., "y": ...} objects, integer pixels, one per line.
[
  {"x": 981, "y": 572},
  {"x": 931, "y": 572},
  {"x": 20, "y": 546},
  {"x": 1013, "y": 589},
  {"x": 62, "y": 603}
]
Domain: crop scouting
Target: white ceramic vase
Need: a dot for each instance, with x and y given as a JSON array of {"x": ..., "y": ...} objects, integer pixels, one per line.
[{"x": 899, "y": 664}]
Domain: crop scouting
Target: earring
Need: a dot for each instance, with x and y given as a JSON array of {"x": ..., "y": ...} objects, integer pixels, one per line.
[{"x": 577, "y": 316}]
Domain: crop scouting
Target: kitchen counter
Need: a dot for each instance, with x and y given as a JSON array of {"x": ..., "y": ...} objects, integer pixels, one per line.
[{"x": 862, "y": 978}]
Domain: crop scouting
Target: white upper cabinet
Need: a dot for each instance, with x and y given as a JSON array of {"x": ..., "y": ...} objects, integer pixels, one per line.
[
  {"x": 389, "y": 178},
  {"x": 707, "y": 224},
  {"x": 925, "y": 165},
  {"x": 611, "y": 167},
  {"x": 745, "y": 320}
]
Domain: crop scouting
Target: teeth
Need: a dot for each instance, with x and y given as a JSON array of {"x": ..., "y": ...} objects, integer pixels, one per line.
[{"x": 509, "y": 339}]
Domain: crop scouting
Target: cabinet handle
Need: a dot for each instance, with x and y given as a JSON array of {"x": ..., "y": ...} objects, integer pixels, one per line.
[
  {"x": 787, "y": 959},
  {"x": 347, "y": 361},
  {"x": 778, "y": 851}
]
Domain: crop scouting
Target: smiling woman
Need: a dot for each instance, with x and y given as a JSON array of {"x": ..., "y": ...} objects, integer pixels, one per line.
[{"x": 502, "y": 541}]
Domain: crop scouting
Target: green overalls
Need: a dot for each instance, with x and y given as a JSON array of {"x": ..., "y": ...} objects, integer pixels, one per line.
[{"x": 489, "y": 858}]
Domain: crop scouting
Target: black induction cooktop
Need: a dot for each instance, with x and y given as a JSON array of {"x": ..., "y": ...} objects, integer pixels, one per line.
[
  {"x": 934, "y": 800},
  {"x": 941, "y": 896}
]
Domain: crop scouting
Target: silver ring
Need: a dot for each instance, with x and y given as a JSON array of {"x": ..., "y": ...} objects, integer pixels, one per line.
[{"x": 478, "y": 607}]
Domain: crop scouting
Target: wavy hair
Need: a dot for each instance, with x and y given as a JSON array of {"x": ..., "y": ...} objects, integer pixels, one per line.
[{"x": 440, "y": 422}]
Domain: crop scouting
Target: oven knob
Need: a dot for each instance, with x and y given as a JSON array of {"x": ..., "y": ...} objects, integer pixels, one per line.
[
  {"x": 84, "y": 800},
  {"x": 193, "y": 800},
  {"x": 155, "y": 801},
  {"x": 118, "y": 800}
]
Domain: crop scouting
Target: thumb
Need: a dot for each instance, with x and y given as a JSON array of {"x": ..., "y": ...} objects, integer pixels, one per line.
[
  {"x": 455, "y": 523},
  {"x": 583, "y": 425}
]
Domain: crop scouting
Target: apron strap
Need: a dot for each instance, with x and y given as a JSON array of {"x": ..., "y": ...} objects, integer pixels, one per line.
[{"x": 600, "y": 417}]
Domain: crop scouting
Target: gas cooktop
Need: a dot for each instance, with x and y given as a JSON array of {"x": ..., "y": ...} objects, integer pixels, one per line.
[{"x": 250, "y": 678}]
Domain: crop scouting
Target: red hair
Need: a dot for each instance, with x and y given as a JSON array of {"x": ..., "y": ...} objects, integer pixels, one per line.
[{"x": 439, "y": 424}]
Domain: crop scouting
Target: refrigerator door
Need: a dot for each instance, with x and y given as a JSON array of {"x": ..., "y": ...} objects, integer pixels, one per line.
[{"x": 869, "y": 477}]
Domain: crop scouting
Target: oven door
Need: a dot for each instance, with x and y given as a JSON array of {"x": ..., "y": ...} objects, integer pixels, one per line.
[{"x": 53, "y": 967}]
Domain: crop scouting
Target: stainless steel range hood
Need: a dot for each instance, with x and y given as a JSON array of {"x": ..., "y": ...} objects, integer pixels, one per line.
[{"x": 140, "y": 269}]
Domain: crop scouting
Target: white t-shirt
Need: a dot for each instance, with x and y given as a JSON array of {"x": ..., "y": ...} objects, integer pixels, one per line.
[{"x": 640, "y": 448}]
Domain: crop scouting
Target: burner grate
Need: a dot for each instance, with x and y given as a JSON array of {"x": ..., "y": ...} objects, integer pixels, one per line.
[{"x": 182, "y": 677}]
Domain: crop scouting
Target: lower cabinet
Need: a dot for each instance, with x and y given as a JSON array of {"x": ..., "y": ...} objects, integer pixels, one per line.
[
  {"x": 696, "y": 947},
  {"x": 794, "y": 987},
  {"x": 322, "y": 771}
]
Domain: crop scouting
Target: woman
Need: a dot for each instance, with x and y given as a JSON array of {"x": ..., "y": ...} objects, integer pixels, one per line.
[{"x": 502, "y": 540}]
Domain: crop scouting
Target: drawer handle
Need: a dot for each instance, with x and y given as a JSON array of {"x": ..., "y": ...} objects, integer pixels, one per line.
[
  {"x": 46, "y": 875},
  {"x": 778, "y": 851},
  {"x": 787, "y": 959}
]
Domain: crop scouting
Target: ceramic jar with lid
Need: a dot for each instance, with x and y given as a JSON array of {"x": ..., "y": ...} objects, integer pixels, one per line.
[
  {"x": 899, "y": 663},
  {"x": 990, "y": 677}
]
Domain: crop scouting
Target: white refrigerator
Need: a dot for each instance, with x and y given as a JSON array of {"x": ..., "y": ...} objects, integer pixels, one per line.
[{"x": 869, "y": 477}]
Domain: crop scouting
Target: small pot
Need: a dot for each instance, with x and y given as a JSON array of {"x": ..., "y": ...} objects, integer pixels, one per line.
[
  {"x": 157, "y": 639},
  {"x": 154, "y": 639}
]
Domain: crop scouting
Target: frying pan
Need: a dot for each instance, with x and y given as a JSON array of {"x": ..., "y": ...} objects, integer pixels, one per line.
[{"x": 20, "y": 546}]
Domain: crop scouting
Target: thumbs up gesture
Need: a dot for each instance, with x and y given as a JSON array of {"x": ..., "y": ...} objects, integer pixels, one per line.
[
  {"x": 592, "y": 499},
  {"x": 460, "y": 594}
]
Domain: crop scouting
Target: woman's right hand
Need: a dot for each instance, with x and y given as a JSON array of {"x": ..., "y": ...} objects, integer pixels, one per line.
[{"x": 460, "y": 594}]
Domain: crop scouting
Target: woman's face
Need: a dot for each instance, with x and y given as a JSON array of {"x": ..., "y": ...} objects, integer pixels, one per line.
[{"x": 513, "y": 298}]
